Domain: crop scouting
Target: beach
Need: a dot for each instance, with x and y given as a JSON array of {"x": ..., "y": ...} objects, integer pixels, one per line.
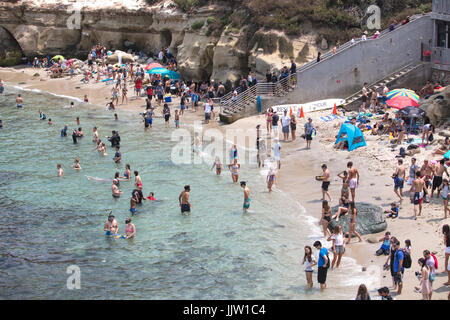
[{"x": 376, "y": 163}]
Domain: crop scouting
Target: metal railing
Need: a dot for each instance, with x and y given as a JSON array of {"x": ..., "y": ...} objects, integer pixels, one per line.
[{"x": 232, "y": 105}]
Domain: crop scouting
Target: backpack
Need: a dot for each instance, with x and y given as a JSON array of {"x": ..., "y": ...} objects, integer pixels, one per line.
[
  {"x": 435, "y": 261},
  {"x": 328, "y": 261},
  {"x": 402, "y": 152},
  {"x": 407, "y": 261}
]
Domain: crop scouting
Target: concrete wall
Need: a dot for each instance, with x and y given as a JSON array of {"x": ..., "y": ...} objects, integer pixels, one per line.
[{"x": 366, "y": 61}]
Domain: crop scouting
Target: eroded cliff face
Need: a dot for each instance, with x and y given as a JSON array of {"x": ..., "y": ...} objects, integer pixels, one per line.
[{"x": 72, "y": 27}]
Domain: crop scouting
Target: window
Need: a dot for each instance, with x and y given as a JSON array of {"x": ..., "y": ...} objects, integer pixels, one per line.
[{"x": 441, "y": 29}]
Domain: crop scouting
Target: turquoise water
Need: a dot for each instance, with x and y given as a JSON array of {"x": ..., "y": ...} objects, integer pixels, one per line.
[{"x": 49, "y": 223}]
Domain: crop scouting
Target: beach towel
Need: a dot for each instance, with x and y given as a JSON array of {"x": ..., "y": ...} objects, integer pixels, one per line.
[{"x": 331, "y": 118}]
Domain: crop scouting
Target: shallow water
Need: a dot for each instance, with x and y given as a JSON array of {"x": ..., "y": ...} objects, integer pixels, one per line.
[{"x": 218, "y": 252}]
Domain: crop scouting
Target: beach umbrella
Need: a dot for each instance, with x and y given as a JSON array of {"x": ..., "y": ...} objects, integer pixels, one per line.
[
  {"x": 402, "y": 93},
  {"x": 153, "y": 65},
  {"x": 401, "y": 102},
  {"x": 164, "y": 72},
  {"x": 412, "y": 112},
  {"x": 57, "y": 57}
]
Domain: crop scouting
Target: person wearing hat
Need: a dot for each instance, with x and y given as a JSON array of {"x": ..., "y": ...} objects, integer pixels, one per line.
[
  {"x": 111, "y": 226},
  {"x": 308, "y": 133}
]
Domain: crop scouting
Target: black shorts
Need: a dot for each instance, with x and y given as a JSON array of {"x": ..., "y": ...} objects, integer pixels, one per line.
[
  {"x": 166, "y": 117},
  {"x": 309, "y": 137},
  {"x": 437, "y": 181},
  {"x": 325, "y": 185},
  {"x": 322, "y": 275},
  {"x": 398, "y": 278},
  {"x": 207, "y": 116},
  {"x": 185, "y": 208},
  {"x": 364, "y": 98}
]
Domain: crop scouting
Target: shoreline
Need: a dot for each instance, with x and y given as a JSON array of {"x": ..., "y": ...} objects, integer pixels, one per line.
[{"x": 296, "y": 180}]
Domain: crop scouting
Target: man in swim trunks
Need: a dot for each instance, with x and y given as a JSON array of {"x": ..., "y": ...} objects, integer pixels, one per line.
[
  {"x": 185, "y": 205},
  {"x": 427, "y": 173},
  {"x": 134, "y": 199},
  {"x": 19, "y": 101},
  {"x": 438, "y": 171},
  {"x": 118, "y": 155},
  {"x": 325, "y": 182},
  {"x": 246, "y": 196},
  {"x": 115, "y": 189},
  {"x": 353, "y": 176},
  {"x": 111, "y": 226},
  {"x": 399, "y": 179},
  {"x": 412, "y": 171},
  {"x": 417, "y": 189}
]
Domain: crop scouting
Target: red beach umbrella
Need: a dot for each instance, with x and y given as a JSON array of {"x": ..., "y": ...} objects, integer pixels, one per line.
[
  {"x": 401, "y": 102},
  {"x": 153, "y": 65}
]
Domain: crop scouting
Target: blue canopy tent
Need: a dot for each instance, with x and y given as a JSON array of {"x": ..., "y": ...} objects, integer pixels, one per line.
[
  {"x": 352, "y": 134},
  {"x": 165, "y": 72}
]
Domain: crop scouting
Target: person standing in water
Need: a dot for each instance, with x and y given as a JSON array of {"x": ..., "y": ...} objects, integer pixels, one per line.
[
  {"x": 133, "y": 200},
  {"x": 277, "y": 152},
  {"x": 115, "y": 189},
  {"x": 218, "y": 166},
  {"x": 118, "y": 155},
  {"x": 111, "y": 226},
  {"x": 130, "y": 229},
  {"x": 234, "y": 168},
  {"x": 310, "y": 263},
  {"x": 77, "y": 164},
  {"x": 246, "y": 204},
  {"x": 19, "y": 101},
  {"x": 138, "y": 180},
  {"x": 183, "y": 199},
  {"x": 60, "y": 170},
  {"x": 95, "y": 135},
  {"x": 270, "y": 179}
]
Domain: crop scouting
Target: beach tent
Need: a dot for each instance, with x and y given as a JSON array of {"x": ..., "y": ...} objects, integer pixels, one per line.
[
  {"x": 164, "y": 72},
  {"x": 57, "y": 57},
  {"x": 353, "y": 134},
  {"x": 153, "y": 65}
]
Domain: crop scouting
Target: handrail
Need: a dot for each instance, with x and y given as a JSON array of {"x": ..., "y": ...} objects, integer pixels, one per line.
[{"x": 250, "y": 92}]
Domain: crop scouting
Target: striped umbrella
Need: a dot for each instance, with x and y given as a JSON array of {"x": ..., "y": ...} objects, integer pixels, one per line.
[
  {"x": 401, "y": 102},
  {"x": 402, "y": 93}
]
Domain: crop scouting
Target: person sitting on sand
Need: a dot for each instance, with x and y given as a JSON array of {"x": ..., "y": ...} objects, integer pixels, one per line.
[
  {"x": 385, "y": 246},
  {"x": 443, "y": 148},
  {"x": 393, "y": 212}
]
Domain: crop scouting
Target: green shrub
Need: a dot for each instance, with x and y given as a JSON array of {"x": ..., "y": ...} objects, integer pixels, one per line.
[
  {"x": 197, "y": 25},
  {"x": 211, "y": 20},
  {"x": 285, "y": 47},
  {"x": 301, "y": 57}
]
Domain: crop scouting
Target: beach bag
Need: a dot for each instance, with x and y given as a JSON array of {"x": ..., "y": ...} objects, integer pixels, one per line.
[
  {"x": 328, "y": 262},
  {"x": 412, "y": 146},
  {"x": 402, "y": 152}
]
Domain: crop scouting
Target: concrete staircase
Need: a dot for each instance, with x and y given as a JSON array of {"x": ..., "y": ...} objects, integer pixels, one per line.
[{"x": 354, "y": 101}]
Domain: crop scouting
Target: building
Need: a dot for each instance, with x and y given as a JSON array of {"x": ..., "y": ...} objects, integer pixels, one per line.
[{"x": 440, "y": 48}]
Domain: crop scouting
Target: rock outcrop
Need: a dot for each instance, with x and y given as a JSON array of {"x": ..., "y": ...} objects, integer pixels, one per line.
[
  {"x": 370, "y": 219},
  {"x": 437, "y": 107},
  {"x": 66, "y": 27}
]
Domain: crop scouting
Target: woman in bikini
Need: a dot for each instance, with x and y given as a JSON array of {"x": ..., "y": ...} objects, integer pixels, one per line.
[
  {"x": 130, "y": 229},
  {"x": 269, "y": 120},
  {"x": 218, "y": 166},
  {"x": 138, "y": 180},
  {"x": 352, "y": 224},
  {"x": 326, "y": 217},
  {"x": 127, "y": 173},
  {"x": 234, "y": 168}
]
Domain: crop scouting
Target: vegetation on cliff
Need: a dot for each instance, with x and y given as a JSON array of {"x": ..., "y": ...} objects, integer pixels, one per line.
[{"x": 334, "y": 20}]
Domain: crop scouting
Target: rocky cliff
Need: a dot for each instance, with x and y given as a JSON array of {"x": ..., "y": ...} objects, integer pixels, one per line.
[{"x": 67, "y": 27}]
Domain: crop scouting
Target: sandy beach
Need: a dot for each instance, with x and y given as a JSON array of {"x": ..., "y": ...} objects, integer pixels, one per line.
[{"x": 376, "y": 163}]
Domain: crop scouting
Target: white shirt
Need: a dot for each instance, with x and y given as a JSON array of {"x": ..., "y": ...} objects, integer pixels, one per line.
[
  {"x": 338, "y": 239},
  {"x": 308, "y": 264},
  {"x": 285, "y": 120},
  {"x": 160, "y": 55},
  {"x": 276, "y": 149},
  {"x": 207, "y": 108}
]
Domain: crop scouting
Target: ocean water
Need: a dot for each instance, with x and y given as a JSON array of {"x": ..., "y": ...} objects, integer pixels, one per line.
[{"x": 48, "y": 224}]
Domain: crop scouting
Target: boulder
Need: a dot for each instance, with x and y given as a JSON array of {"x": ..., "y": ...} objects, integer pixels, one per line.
[
  {"x": 114, "y": 58},
  {"x": 324, "y": 44},
  {"x": 437, "y": 107},
  {"x": 370, "y": 219}
]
